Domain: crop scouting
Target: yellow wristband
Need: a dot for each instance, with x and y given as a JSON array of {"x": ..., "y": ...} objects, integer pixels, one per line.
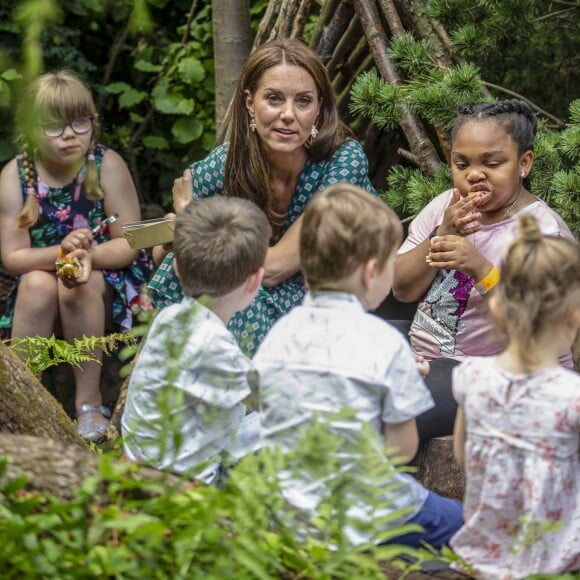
[{"x": 489, "y": 282}]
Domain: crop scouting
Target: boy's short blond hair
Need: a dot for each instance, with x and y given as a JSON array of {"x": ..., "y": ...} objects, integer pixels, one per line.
[
  {"x": 218, "y": 243},
  {"x": 343, "y": 227}
]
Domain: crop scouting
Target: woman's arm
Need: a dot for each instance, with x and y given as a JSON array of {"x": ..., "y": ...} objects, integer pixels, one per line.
[
  {"x": 283, "y": 259},
  {"x": 121, "y": 198},
  {"x": 459, "y": 437}
]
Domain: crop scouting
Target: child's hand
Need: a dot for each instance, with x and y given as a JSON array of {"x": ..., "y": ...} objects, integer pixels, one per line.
[
  {"x": 461, "y": 217},
  {"x": 182, "y": 191},
  {"x": 422, "y": 365},
  {"x": 77, "y": 239},
  {"x": 83, "y": 268},
  {"x": 457, "y": 253}
]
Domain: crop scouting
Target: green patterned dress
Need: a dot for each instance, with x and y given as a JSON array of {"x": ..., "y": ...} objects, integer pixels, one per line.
[{"x": 348, "y": 164}]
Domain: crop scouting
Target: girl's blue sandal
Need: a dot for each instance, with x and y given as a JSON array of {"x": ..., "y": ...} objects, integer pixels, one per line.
[{"x": 92, "y": 422}]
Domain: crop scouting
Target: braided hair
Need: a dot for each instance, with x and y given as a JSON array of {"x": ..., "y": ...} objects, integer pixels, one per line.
[
  {"x": 514, "y": 115},
  {"x": 52, "y": 96},
  {"x": 540, "y": 284}
]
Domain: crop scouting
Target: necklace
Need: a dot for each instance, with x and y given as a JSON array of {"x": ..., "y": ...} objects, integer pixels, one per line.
[{"x": 513, "y": 204}]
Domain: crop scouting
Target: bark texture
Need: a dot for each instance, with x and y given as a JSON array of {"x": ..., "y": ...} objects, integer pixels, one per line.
[
  {"x": 59, "y": 468},
  {"x": 232, "y": 41}
]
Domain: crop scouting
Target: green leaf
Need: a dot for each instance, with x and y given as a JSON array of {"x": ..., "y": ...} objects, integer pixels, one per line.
[
  {"x": 191, "y": 70},
  {"x": 187, "y": 130},
  {"x": 174, "y": 104},
  {"x": 130, "y": 98},
  {"x": 11, "y": 75},
  {"x": 116, "y": 88},
  {"x": 5, "y": 94},
  {"x": 146, "y": 66},
  {"x": 155, "y": 142}
]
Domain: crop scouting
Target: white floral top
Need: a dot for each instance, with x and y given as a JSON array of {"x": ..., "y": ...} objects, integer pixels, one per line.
[{"x": 522, "y": 497}]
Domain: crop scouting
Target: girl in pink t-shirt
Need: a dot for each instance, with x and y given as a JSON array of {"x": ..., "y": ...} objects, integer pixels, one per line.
[
  {"x": 449, "y": 261},
  {"x": 517, "y": 430}
]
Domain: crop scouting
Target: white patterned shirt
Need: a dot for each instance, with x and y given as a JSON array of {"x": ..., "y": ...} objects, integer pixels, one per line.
[
  {"x": 184, "y": 400},
  {"x": 322, "y": 357}
]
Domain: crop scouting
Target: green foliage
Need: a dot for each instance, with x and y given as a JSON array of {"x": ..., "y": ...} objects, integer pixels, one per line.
[
  {"x": 40, "y": 353},
  {"x": 434, "y": 94},
  {"x": 529, "y": 47},
  {"x": 123, "y": 526},
  {"x": 152, "y": 78}
]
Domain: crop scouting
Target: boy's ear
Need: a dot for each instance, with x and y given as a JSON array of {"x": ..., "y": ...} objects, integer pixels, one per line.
[
  {"x": 368, "y": 272},
  {"x": 254, "y": 281}
]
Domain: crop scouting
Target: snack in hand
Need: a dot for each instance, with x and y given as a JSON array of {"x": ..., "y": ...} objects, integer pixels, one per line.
[{"x": 67, "y": 267}]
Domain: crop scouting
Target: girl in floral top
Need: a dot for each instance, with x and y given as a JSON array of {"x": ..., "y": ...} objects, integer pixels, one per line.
[
  {"x": 53, "y": 199},
  {"x": 518, "y": 423}
]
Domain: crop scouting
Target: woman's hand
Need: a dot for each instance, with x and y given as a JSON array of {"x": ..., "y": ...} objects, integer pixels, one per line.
[
  {"x": 461, "y": 217},
  {"x": 77, "y": 239},
  {"x": 457, "y": 253},
  {"x": 182, "y": 191}
]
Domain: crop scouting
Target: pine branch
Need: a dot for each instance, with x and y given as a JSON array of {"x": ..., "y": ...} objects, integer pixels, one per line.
[{"x": 561, "y": 124}]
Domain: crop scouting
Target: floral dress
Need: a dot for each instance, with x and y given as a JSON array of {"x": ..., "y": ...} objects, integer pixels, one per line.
[
  {"x": 64, "y": 209},
  {"x": 348, "y": 164},
  {"x": 522, "y": 497}
]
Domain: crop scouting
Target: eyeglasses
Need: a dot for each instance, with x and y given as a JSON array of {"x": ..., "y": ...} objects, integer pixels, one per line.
[{"x": 80, "y": 125}]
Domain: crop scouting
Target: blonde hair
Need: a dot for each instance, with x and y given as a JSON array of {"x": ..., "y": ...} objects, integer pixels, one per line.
[
  {"x": 55, "y": 96},
  {"x": 343, "y": 227},
  {"x": 218, "y": 243},
  {"x": 539, "y": 286}
]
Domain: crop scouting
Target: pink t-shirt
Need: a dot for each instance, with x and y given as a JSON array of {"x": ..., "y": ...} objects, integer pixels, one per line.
[{"x": 452, "y": 319}]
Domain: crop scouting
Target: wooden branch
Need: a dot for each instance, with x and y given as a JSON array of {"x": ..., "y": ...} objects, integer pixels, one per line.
[
  {"x": 558, "y": 13},
  {"x": 324, "y": 21},
  {"x": 114, "y": 54},
  {"x": 413, "y": 128},
  {"x": 186, "y": 32},
  {"x": 300, "y": 19},
  {"x": 561, "y": 124},
  {"x": 327, "y": 37},
  {"x": 392, "y": 17},
  {"x": 406, "y": 154}
]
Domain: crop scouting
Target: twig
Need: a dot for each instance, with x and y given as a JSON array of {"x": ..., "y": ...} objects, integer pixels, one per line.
[
  {"x": 557, "y": 13},
  {"x": 192, "y": 9},
  {"x": 559, "y": 122},
  {"x": 405, "y": 154}
]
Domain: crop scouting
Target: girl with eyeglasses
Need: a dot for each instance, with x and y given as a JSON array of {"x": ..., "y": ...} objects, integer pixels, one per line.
[{"x": 53, "y": 197}]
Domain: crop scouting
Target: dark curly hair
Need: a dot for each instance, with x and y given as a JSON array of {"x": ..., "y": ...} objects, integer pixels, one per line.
[{"x": 514, "y": 115}]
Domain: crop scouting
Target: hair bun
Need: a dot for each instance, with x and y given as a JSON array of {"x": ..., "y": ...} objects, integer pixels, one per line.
[{"x": 529, "y": 230}]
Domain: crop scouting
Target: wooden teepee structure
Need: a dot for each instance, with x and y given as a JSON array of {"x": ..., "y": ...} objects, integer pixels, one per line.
[{"x": 351, "y": 37}]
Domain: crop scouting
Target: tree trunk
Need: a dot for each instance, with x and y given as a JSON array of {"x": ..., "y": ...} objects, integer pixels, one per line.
[
  {"x": 59, "y": 468},
  {"x": 232, "y": 41},
  {"x": 27, "y": 407}
]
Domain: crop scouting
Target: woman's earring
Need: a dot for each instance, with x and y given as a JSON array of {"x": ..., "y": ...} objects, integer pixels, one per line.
[
  {"x": 313, "y": 132},
  {"x": 523, "y": 173},
  {"x": 252, "y": 124}
]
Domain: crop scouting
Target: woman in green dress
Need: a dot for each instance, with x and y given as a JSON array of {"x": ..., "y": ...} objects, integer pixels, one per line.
[{"x": 286, "y": 143}]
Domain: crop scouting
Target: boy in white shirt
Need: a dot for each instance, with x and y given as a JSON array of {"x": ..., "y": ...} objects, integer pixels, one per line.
[
  {"x": 329, "y": 354},
  {"x": 184, "y": 406}
]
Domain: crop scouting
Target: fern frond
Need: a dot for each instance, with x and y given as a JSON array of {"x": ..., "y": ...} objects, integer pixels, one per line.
[{"x": 40, "y": 353}]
